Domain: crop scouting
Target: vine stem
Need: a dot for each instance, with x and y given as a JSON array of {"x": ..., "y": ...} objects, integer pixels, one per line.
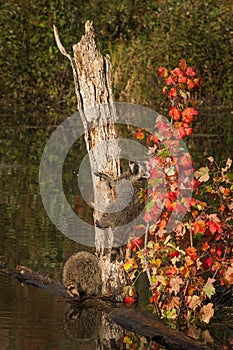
[{"x": 146, "y": 265}]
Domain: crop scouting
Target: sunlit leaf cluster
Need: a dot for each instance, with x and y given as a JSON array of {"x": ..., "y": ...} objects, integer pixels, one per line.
[{"x": 185, "y": 267}]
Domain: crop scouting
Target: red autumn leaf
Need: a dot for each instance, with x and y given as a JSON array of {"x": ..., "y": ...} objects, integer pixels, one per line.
[
  {"x": 177, "y": 72},
  {"x": 227, "y": 192},
  {"x": 162, "y": 72},
  {"x": 190, "y": 71},
  {"x": 182, "y": 79},
  {"x": 172, "y": 271},
  {"x": 214, "y": 227},
  {"x": 189, "y": 131},
  {"x": 139, "y": 135},
  {"x": 137, "y": 242},
  {"x": 155, "y": 297},
  {"x": 187, "y": 121},
  {"x": 172, "y": 93},
  {"x": 207, "y": 263},
  {"x": 181, "y": 132},
  {"x": 175, "y": 113},
  {"x": 175, "y": 253},
  {"x": 169, "y": 80},
  {"x": 129, "y": 301},
  {"x": 189, "y": 112},
  {"x": 219, "y": 252},
  {"x": 196, "y": 184}
]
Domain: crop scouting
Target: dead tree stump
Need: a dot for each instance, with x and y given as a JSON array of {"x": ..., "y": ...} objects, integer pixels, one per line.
[{"x": 93, "y": 88}]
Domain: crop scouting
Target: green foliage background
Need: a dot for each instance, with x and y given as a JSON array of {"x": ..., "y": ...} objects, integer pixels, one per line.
[{"x": 139, "y": 35}]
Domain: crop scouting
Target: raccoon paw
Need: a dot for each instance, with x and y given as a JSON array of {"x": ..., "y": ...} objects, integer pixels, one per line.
[{"x": 72, "y": 291}]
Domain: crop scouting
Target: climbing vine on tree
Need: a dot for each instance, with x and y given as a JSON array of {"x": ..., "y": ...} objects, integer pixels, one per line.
[{"x": 185, "y": 267}]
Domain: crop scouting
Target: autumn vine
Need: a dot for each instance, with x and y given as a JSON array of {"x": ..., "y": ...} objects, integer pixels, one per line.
[{"x": 185, "y": 267}]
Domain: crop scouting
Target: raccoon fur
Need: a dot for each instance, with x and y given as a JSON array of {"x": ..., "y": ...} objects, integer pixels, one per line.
[
  {"x": 82, "y": 275},
  {"x": 136, "y": 175}
]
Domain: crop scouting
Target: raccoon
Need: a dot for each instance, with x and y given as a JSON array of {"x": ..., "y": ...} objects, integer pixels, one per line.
[
  {"x": 136, "y": 175},
  {"x": 82, "y": 275}
]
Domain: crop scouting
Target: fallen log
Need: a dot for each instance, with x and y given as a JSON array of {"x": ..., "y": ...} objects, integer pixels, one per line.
[{"x": 135, "y": 320}]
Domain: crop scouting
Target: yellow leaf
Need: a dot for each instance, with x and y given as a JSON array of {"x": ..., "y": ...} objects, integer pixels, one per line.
[{"x": 127, "y": 340}]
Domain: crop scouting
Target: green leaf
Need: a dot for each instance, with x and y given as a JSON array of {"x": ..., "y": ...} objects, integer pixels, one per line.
[
  {"x": 164, "y": 153},
  {"x": 202, "y": 174},
  {"x": 150, "y": 205},
  {"x": 208, "y": 288},
  {"x": 156, "y": 181},
  {"x": 229, "y": 176}
]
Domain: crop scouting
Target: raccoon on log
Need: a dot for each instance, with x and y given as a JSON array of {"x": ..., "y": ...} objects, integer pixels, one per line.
[
  {"x": 126, "y": 188},
  {"x": 82, "y": 275}
]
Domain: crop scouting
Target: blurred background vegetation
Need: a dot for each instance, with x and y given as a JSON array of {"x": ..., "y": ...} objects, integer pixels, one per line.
[
  {"x": 139, "y": 35},
  {"x": 37, "y": 93}
]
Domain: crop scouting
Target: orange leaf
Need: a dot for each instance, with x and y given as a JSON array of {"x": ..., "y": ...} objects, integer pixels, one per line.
[
  {"x": 183, "y": 64},
  {"x": 205, "y": 246},
  {"x": 199, "y": 227},
  {"x": 131, "y": 263},
  {"x": 192, "y": 253},
  {"x": 207, "y": 312},
  {"x": 229, "y": 275}
]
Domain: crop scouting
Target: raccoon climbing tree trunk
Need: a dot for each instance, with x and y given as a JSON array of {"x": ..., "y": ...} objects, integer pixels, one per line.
[{"x": 93, "y": 87}]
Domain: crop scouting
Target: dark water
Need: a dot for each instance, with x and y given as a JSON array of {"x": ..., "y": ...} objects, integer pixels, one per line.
[{"x": 29, "y": 317}]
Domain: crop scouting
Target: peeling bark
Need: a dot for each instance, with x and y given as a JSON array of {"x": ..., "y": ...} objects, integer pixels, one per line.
[{"x": 93, "y": 88}]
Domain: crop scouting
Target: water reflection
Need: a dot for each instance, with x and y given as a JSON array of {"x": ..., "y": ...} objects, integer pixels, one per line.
[{"x": 30, "y": 317}]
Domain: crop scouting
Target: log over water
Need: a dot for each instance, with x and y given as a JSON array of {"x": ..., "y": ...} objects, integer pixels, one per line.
[{"x": 141, "y": 322}]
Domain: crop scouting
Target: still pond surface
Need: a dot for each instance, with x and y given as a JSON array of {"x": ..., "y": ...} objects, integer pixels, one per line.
[{"x": 31, "y": 318}]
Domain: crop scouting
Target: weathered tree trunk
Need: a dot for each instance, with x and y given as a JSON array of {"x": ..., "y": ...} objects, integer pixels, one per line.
[{"x": 93, "y": 87}]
